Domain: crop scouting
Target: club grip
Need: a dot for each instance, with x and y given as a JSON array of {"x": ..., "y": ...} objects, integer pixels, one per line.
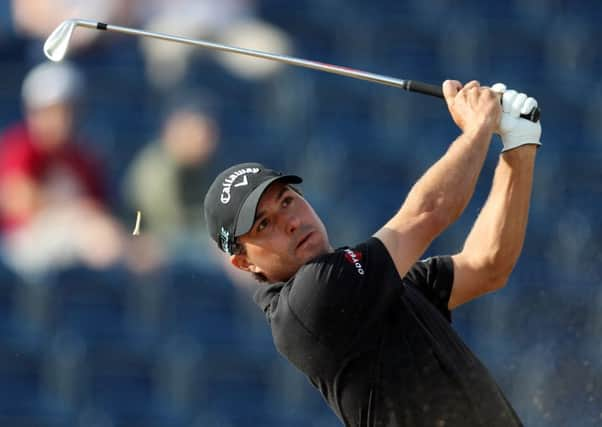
[
  {"x": 427, "y": 89},
  {"x": 433, "y": 90}
]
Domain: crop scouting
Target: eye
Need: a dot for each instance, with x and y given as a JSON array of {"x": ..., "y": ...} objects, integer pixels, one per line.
[
  {"x": 287, "y": 201},
  {"x": 262, "y": 225}
]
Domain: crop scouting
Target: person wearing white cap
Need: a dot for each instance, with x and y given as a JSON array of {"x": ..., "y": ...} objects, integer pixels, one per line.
[
  {"x": 39, "y": 154},
  {"x": 52, "y": 83},
  {"x": 46, "y": 174}
]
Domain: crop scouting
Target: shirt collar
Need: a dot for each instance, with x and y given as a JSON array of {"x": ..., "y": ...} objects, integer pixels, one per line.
[{"x": 266, "y": 297}]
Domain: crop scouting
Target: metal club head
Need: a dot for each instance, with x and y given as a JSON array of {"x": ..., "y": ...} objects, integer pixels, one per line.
[{"x": 57, "y": 42}]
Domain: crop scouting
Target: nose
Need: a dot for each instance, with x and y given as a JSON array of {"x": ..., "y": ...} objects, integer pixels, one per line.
[{"x": 292, "y": 223}]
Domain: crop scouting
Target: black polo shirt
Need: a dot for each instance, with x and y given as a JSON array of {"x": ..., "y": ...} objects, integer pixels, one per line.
[{"x": 379, "y": 348}]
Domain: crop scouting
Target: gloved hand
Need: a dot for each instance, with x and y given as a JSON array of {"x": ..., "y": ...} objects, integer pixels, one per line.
[{"x": 514, "y": 130}]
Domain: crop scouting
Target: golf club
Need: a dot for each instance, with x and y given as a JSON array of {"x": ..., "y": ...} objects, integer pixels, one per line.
[{"x": 57, "y": 44}]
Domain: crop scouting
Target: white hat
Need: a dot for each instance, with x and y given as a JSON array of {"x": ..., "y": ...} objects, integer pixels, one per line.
[{"x": 50, "y": 83}]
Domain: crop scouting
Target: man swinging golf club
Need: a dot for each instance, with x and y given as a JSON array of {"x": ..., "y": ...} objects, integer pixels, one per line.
[{"x": 369, "y": 325}]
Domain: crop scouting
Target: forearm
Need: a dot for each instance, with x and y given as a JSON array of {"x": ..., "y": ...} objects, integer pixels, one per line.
[
  {"x": 446, "y": 188},
  {"x": 442, "y": 193},
  {"x": 497, "y": 237}
]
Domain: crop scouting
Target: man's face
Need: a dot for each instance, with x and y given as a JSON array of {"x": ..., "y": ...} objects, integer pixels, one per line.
[{"x": 285, "y": 235}]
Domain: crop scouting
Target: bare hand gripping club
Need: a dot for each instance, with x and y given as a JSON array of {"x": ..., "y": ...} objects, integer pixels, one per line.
[{"x": 57, "y": 44}]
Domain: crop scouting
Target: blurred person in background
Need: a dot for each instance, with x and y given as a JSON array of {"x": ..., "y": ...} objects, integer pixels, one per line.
[
  {"x": 164, "y": 178},
  {"x": 36, "y": 19},
  {"x": 232, "y": 22},
  {"x": 52, "y": 196}
]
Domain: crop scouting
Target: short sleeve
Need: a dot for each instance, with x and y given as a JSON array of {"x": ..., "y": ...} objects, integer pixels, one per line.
[
  {"x": 337, "y": 295},
  {"x": 434, "y": 278}
]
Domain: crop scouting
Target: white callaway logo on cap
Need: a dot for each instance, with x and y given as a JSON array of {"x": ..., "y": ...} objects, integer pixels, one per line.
[{"x": 229, "y": 181}]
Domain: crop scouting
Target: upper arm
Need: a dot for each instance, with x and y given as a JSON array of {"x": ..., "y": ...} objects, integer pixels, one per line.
[
  {"x": 471, "y": 280},
  {"x": 433, "y": 277},
  {"x": 406, "y": 238},
  {"x": 334, "y": 296}
]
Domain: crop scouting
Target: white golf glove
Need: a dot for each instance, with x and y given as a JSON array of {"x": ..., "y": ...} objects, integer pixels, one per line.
[{"x": 514, "y": 130}]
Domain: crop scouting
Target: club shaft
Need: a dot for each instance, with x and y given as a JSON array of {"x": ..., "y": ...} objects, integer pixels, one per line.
[
  {"x": 409, "y": 85},
  {"x": 320, "y": 66}
]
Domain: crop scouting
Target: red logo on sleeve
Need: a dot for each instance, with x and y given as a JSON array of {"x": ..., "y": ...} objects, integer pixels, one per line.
[{"x": 354, "y": 257}]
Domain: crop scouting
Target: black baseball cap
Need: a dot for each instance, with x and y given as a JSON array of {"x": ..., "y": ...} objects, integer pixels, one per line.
[{"x": 231, "y": 202}]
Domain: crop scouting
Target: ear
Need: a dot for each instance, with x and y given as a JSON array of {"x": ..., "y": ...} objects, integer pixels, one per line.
[{"x": 241, "y": 261}]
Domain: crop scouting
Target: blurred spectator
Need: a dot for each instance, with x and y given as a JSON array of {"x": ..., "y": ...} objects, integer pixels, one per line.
[
  {"x": 227, "y": 21},
  {"x": 168, "y": 176},
  {"x": 36, "y": 19},
  {"x": 51, "y": 187}
]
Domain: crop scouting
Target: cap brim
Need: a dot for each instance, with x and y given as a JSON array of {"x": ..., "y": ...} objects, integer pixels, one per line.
[{"x": 246, "y": 215}]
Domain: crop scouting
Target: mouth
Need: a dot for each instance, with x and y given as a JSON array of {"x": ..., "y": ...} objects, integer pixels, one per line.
[{"x": 304, "y": 239}]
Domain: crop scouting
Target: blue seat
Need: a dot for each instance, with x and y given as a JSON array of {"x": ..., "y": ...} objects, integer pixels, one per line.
[
  {"x": 121, "y": 381},
  {"x": 19, "y": 321},
  {"x": 201, "y": 304},
  {"x": 237, "y": 386},
  {"x": 89, "y": 303},
  {"x": 9, "y": 282},
  {"x": 22, "y": 398},
  {"x": 9, "y": 286},
  {"x": 19, "y": 378}
]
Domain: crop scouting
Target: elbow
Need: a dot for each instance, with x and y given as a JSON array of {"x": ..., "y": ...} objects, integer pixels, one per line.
[
  {"x": 493, "y": 271},
  {"x": 494, "y": 261},
  {"x": 504, "y": 265},
  {"x": 498, "y": 282},
  {"x": 498, "y": 274}
]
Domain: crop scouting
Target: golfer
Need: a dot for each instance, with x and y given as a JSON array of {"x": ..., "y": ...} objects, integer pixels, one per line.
[{"x": 370, "y": 324}]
